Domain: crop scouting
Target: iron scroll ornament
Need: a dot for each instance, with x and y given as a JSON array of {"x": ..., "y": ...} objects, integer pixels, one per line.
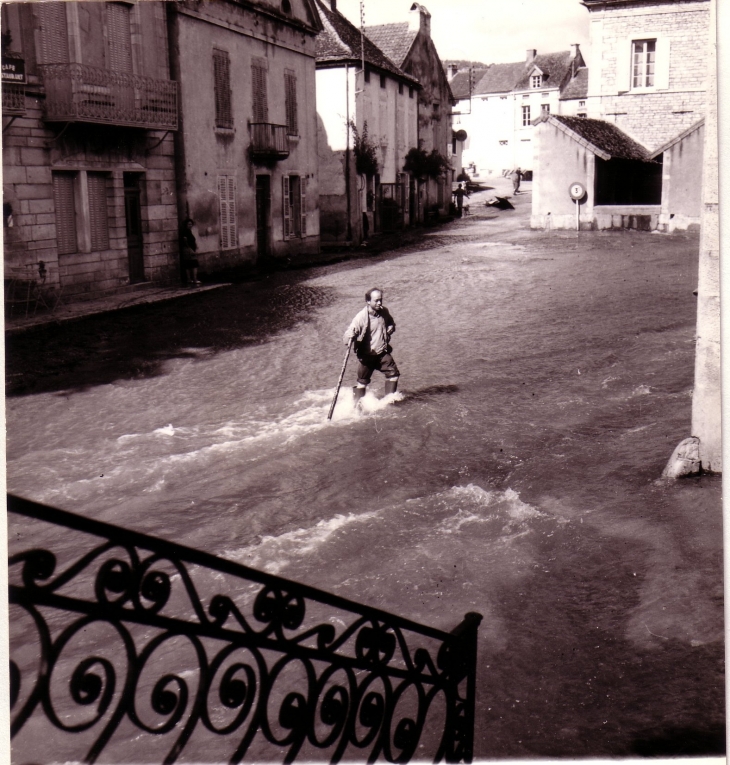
[{"x": 125, "y": 638}]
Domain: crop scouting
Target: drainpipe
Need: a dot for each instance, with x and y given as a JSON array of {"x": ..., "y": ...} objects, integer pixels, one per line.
[{"x": 347, "y": 155}]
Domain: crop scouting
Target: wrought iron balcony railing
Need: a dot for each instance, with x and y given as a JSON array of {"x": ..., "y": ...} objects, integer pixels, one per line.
[
  {"x": 269, "y": 141},
  {"x": 13, "y": 98},
  {"x": 143, "y": 649},
  {"x": 76, "y": 92}
]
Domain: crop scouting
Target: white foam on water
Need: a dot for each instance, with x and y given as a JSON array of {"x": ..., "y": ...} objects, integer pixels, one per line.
[
  {"x": 272, "y": 553},
  {"x": 642, "y": 390}
]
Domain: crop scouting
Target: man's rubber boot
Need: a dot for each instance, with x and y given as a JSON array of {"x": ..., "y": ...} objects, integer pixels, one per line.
[
  {"x": 391, "y": 386},
  {"x": 357, "y": 394}
]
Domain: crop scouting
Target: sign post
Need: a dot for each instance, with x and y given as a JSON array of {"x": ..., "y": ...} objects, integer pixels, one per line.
[{"x": 577, "y": 191}]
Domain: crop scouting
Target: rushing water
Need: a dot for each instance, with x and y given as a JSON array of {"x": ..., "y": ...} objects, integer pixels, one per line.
[{"x": 545, "y": 382}]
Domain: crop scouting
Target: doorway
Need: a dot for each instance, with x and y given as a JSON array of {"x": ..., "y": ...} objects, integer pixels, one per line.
[
  {"x": 263, "y": 215},
  {"x": 133, "y": 217}
]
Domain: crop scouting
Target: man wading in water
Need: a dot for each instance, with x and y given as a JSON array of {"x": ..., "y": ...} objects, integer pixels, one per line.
[{"x": 371, "y": 330}]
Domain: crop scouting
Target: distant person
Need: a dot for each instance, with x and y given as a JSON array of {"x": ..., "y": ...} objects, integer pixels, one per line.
[
  {"x": 516, "y": 178},
  {"x": 460, "y": 193},
  {"x": 188, "y": 248},
  {"x": 371, "y": 330}
]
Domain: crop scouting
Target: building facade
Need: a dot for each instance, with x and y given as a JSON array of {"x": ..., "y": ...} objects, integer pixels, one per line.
[
  {"x": 377, "y": 105},
  {"x": 88, "y": 168},
  {"x": 503, "y": 101},
  {"x": 246, "y": 148}
]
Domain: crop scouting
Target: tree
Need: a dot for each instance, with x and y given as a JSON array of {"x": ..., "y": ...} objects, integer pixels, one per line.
[
  {"x": 366, "y": 153},
  {"x": 423, "y": 165}
]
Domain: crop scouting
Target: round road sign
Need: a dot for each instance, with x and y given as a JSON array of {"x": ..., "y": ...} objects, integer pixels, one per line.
[{"x": 577, "y": 190}]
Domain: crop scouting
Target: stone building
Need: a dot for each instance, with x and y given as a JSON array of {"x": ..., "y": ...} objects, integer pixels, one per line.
[
  {"x": 246, "y": 148},
  {"x": 88, "y": 169},
  {"x": 648, "y": 80},
  {"x": 502, "y": 101},
  {"x": 408, "y": 44},
  {"x": 380, "y": 100}
]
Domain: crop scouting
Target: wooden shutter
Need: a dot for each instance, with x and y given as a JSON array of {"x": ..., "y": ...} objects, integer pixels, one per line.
[
  {"x": 259, "y": 95},
  {"x": 227, "y": 198},
  {"x": 63, "y": 197},
  {"x": 54, "y": 33},
  {"x": 222, "y": 89},
  {"x": 120, "y": 37},
  {"x": 98, "y": 214},
  {"x": 303, "y": 203},
  {"x": 290, "y": 86},
  {"x": 661, "y": 67},
  {"x": 287, "y": 206},
  {"x": 624, "y": 65}
]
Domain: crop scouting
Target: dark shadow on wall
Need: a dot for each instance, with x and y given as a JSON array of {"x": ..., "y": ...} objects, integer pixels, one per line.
[
  {"x": 682, "y": 742},
  {"x": 136, "y": 342}
]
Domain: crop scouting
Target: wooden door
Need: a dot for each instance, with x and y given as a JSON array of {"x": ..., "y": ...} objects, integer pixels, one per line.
[{"x": 133, "y": 214}]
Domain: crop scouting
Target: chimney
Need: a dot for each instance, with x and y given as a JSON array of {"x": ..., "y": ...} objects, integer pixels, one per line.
[
  {"x": 531, "y": 53},
  {"x": 574, "y": 51},
  {"x": 419, "y": 19},
  {"x": 451, "y": 71}
]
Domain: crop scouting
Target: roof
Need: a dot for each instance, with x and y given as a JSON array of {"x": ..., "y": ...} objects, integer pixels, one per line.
[
  {"x": 668, "y": 145},
  {"x": 394, "y": 40},
  {"x": 340, "y": 42},
  {"x": 555, "y": 68},
  {"x": 602, "y": 138},
  {"x": 460, "y": 82},
  {"x": 577, "y": 87},
  {"x": 500, "y": 78}
]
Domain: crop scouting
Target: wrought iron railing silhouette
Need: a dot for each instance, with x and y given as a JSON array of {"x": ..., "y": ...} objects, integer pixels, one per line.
[
  {"x": 121, "y": 640},
  {"x": 13, "y": 98},
  {"x": 78, "y": 92}
]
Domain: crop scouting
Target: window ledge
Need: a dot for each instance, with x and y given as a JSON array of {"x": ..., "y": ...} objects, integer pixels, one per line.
[
  {"x": 224, "y": 131},
  {"x": 294, "y": 138}
]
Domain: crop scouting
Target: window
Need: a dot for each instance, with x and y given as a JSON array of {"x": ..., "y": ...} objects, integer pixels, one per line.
[
  {"x": 643, "y": 62},
  {"x": 259, "y": 96},
  {"x": 227, "y": 201},
  {"x": 290, "y": 95},
  {"x": 367, "y": 75},
  {"x": 98, "y": 213},
  {"x": 382, "y": 81},
  {"x": 54, "y": 32},
  {"x": 581, "y": 104},
  {"x": 503, "y": 143},
  {"x": 400, "y": 88},
  {"x": 545, "y": 109},
  {"x": 536, "y": 80},
  {"x": 63, "y": 197},
  {"x": 503, "y": 98},
  {"x": 222, "y": 89},
  {"x": 410, "y": 92},
  {"x": 120, "y": 37},
  {"x": 525, "y": 116},
  {"x": 295, "y": 210}
]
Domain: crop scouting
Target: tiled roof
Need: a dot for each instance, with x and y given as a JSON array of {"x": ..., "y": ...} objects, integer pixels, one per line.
[
  {"x": 339, "y": 41},
  {"x": 577, "y": 87},
  {"x": 555, "y": 67},
  {"x": 500, "y": 78},
  {"x": 603, "y": 138},
  {"x": 460, "y": 82},
  {"x": 394, "y": 40}
]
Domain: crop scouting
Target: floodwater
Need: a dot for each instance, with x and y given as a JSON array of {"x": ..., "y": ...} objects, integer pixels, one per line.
[{"x": 545, "y": 382}]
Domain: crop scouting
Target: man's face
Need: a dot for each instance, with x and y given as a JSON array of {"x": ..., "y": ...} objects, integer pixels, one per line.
[{"x": 376, "y": 301}]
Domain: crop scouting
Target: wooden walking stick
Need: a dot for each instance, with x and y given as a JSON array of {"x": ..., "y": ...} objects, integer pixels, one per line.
[{"x": 339, "y": 382}]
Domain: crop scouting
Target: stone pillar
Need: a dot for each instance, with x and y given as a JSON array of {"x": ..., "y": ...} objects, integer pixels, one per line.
[{"x": 706, "y": 413}]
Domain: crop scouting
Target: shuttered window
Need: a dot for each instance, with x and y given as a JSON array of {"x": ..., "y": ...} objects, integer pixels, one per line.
[
  {"x": 222, "y": 89},
  {"x": 63, "y": 197},
  {"x": 290, "y": 85},
  {"x": 120, "y": 37},
  {"x": 54, "y": 32},
  {"x": 227, "y": 198},
  {"x": 98, "y": 213},
  {"x": 294, "y": 206},
  {"x": 258, "y": 92}
]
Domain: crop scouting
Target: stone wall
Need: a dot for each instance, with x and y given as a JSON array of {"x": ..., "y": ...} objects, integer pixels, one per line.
[{"x": 655, "y": 115}]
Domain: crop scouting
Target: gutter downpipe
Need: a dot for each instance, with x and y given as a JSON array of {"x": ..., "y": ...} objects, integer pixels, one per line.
[{"x": 347, "y": 155}]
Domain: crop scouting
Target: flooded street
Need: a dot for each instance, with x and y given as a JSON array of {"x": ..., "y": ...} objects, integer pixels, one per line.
[{"x": 546, "y": 379}]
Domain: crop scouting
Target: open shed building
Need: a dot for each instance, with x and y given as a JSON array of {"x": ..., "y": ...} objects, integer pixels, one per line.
[{"x": 626, "y": 185}]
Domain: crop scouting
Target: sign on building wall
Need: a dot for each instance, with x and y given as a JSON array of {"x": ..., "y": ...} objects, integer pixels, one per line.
[{"x": 13, "y": 70}]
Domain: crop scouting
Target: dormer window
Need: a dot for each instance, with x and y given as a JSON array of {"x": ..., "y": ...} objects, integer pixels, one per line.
[{"x": 536, "y": 81}]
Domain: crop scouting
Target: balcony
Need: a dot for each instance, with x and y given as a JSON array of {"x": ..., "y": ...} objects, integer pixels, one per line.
[
  {"x": 13, "y": 98},
  {"x": 268, "y": 142},
  {"x": 80, "y": 93}
]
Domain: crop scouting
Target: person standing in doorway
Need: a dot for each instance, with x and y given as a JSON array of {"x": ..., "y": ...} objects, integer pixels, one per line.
[
  {"x": 188, "y": 248},
  {"x": 370, "y": 331},
  {"x": 516, "y": 178}
]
